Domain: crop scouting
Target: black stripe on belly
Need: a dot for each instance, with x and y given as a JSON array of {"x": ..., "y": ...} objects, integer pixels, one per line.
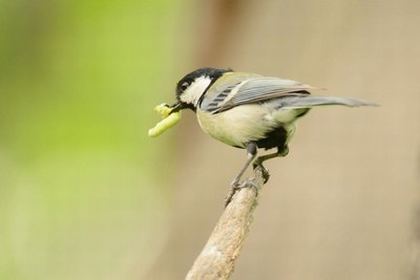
[{"x": 273, "y": 139}]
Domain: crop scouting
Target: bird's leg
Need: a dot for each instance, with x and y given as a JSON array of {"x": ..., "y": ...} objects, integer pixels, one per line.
[
  {"x": 252, "y": 153},
  {"x": 235, "y": 185},
  {"x": 281, "y": 152}
]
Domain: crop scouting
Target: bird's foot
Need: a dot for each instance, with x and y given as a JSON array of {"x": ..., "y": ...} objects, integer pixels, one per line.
[
  {"x": 235, "y": 183},
  {"x": 264, "y": 171},
  {"x": 248, "y": 183},
  {"x": 234, "y": 187}
]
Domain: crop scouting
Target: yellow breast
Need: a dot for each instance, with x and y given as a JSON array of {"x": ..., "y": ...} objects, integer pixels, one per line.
[{"x": 237, "y": 126}]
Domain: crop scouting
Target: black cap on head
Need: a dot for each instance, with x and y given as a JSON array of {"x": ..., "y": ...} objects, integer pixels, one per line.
[{"x": 212, "y": 73}]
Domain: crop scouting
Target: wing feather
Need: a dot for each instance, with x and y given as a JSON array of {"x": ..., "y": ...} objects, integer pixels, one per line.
[
  {"x": 259, "y": 89},
  {"x": 243, "y": 88}
]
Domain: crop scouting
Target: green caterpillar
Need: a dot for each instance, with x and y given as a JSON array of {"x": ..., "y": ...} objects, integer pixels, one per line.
[{"x": 169, "y": 120}]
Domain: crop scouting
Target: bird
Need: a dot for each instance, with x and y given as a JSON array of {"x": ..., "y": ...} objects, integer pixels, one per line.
[{"x": 250, "y": 111}]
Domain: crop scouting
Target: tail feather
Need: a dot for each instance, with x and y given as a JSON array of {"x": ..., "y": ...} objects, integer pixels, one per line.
[{"x": 309, "y": 101}]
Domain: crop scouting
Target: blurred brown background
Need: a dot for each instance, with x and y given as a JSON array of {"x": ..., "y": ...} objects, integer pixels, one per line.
[
  {"x": 85, "y": 194},
  {"x": 342, "y": 205}
]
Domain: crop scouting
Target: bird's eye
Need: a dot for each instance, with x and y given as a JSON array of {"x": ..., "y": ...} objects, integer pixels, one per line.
[{"x": 184, "y": 86}]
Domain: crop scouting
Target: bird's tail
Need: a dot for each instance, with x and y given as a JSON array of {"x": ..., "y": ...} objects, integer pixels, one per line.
[{"x": 309, "y": 101}]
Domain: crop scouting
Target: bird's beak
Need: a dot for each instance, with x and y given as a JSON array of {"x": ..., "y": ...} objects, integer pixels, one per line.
[{"x": 176, "y": 107}]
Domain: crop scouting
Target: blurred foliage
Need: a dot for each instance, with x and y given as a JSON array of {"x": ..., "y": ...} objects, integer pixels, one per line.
[{"x": 79, "y": 186}]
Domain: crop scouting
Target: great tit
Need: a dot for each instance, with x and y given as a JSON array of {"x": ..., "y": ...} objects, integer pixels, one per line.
[{"x": 249, "y": 111}]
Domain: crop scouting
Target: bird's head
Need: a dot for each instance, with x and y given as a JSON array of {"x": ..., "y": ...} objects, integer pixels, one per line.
[{"x": 194, "y": 85}]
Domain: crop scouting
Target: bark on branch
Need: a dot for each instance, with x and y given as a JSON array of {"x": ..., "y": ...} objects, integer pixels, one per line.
[{"x": 217, "y": 259}]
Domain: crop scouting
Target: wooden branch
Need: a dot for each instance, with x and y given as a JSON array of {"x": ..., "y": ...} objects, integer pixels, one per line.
[{"x": 217, "y": 259}]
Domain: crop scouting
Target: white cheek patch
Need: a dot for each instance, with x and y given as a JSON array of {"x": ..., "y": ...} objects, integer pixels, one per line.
[{"x": 195, "y": 90}]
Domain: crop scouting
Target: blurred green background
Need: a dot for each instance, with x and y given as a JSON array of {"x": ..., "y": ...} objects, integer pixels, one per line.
[
  {"x": 81, "y": 196},
  {"x": 85, "y": 194}
]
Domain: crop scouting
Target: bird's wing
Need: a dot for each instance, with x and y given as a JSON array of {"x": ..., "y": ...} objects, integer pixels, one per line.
[{"x": 250, "y": 89}]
